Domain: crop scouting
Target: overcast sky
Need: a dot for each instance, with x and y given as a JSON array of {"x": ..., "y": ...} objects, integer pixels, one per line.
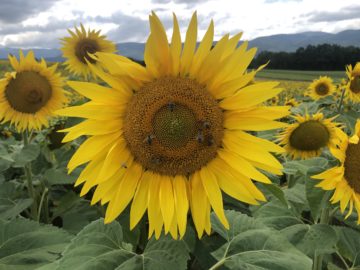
[{"x": 40, "y": 23}]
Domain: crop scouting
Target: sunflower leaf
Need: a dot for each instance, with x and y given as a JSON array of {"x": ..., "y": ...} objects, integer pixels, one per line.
[
  {"x": 11, "y": 204},
  {"x": 102, "y": 247},
  {"x": 25, "y": 155},
  {"x": 349, "y": 244},
  {"x": 311, "y": 239},
  {"x": 252, "y": 245},
  {"x": 27, "y": 245}
]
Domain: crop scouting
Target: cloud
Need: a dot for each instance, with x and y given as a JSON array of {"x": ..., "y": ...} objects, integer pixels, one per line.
[
  {"x": 13, "y": 11},
  {"x": 346, "y": 13},
  {"x": 274, "y": 1}
]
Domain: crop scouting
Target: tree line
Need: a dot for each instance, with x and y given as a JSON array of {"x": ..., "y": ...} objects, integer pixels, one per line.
[{"x": 319, "y": 57}]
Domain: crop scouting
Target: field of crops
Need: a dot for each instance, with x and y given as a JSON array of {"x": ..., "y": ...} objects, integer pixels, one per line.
[{"x": 190, "y": 162}]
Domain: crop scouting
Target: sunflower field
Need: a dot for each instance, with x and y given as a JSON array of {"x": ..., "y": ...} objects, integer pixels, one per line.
[{"x": 191, "y": 161}]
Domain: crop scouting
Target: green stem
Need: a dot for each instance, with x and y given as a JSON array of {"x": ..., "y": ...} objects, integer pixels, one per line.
[
  {"x": 341, "y": 101},
  {"x": 41, "y": 203},
  {"x": 28, "y": 175},
  {"x": 324, "y": 219}
]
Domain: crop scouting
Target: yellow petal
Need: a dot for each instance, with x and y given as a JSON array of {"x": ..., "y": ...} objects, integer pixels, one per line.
[
  {"x": 181, "y": 202},
  {"x": 125, "y": 192},
  {"x": 167, "y": 202},
  {"x": 251, "y": 95},
  {"x": 198, "y": 203},
  {"x": 175, "y": 47},
  {"x": 140, "y": 201},
  {"x": 242, "y": 166},
  {"x": 214, "y": 194},
  {"x": 189, "y": 46}
]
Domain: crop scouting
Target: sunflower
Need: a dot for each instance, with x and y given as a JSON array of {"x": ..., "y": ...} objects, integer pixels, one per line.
[
  {"x": 321, "y": 87},
  {"x": 274, "y": 100},
  {"x": 171, "y": 136},
  {"x": 345, "y": 179},
  {"x": 291, "y": 102},
  {"x": 30, "y": 94},
  {"x": 353, "y": 84},
  {"x": 308, "y": 136},
  {"x": 78, "y": 47}
]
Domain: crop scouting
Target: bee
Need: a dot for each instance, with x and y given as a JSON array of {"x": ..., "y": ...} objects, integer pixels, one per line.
[
  {"x": 171, "y": 106},
  {"x": 200, "y": 137},
  {"x": 206, "y": 124},
  {"x": 149, "y": 139}
]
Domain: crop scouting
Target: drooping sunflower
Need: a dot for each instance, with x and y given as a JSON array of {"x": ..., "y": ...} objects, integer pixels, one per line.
[
  {"x": 353, "y": 83},
  {"x": 321, "y": 87},
  {"x": 172, "y": 135},
  {"x": 345, "y": 179},
  {"x": 78, "y": 47},
  {"x": 291, "y": 102},
  {"x": 308, "y": 136},
  {"x": 30, "y": 94}
]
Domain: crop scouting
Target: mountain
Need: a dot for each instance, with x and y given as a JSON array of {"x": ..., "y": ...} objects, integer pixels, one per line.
[
  {"x": 291, "y": 42},
  {"x": 275, "y": 43}
]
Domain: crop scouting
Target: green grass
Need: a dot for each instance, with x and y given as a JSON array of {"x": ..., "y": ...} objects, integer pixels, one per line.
[{"x": 299, "y": 75}]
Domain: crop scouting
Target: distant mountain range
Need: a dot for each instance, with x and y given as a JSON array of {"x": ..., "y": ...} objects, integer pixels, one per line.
[{"x": 275, "y": 43}]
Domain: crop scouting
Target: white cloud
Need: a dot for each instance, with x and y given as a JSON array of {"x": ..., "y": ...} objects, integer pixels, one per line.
[{"x": 127, "y": 20}]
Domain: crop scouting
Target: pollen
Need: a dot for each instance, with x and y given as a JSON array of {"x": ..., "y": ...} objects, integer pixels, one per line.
[
  {"x": 173, "y": 126},
  {"x": 28, "y": 92}
]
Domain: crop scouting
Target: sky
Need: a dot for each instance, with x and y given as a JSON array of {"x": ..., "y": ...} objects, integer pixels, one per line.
[{"x": 42, "y": 23}]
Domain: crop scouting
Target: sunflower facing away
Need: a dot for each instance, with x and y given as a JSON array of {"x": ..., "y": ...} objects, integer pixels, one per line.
[
  {"x": 308, "y": 136},
  {"x": 171, "y": 136},
  {"x": 78, "y": 47},
  {"x": 291, "y": 102},
  {"x": 30, "y": 94},
  {"x": 321, "y": 87},
  {"x": 353, "y": 84},
  {"x": 345, "y": 179}
]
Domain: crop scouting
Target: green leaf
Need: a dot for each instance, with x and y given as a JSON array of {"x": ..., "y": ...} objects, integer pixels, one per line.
[
  {"x": 303, "y": 166},
  {"x": 10, "y": 205},
  {"x": 27, "y": 245},
  {"x": 317, "y": 198},
  {"x": 349, "y": 242},
  {"x": 275, "y": 215},
  {"x": 58, "y": 177},
  {"x": 311, "y": 239},
  {"x": 25, "y": 155},
  {"x": 277, "y": 192},
  {"x": 252, "y": 245},
  {"x": 101, "y": 247}
]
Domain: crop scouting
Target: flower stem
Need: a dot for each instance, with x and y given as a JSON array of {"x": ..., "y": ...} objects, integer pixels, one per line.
[
  {"x": 28, "y": 175},
  {"x": 341, "y": 100},
  {"x": 324, "y": 219}
]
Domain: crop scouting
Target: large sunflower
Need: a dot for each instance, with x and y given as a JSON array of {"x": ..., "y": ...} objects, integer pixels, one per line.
[
  {"x": 345, "y": 179},
  {"x": 171, "y": 136},
  {"x": 30, "y": 94},
  {"x": 321, "y": 87},
  {"x": 353, "y": 84},
  {"x": 78, "y": 47},
  {"x": 308, "y": 136}
]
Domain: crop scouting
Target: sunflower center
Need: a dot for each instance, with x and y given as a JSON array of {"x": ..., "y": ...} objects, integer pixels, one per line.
[
  {"x": 322, "y": 89},
  {"x": 309, "y": 136},
  {"x": 28, "y": 92},
  {"x": 85, "y": 47},
  {"x": 352, "y": 166},
  {"x": 355, "y": 84},
  {"x": 173, "y": 126}
]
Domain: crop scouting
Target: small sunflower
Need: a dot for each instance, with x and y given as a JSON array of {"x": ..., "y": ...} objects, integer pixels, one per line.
[
  {"x": 309, "y": 135},
  {"x": 321, "y": 87},
  {"x": 78, "y": 47},
  {"x": 353, "y": 84},
  {"x": 345, "y": 179},
  {"x": 30, "y": 94},
  {"x": 170, "y": 137},
  {"x": 274, "y": 100},
  {"x": 291, "y": 102}
]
